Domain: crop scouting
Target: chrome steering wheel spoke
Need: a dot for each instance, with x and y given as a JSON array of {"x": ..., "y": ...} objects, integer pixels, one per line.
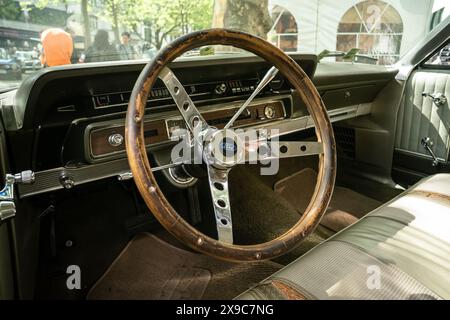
[
  {"x": 271, "y": 150},
  {"x": 262, "y": 84},
  {"x": 218, "y": 183},
  {"x": 192, "y": 117}
]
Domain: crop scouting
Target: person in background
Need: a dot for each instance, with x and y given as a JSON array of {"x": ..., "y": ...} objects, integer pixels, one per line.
[
  {"x": 57, "y": 47},
  {"x": 35, "y": 53},
  {"x": 126, "y": 51},
  {"x": 101, "y": 49}
]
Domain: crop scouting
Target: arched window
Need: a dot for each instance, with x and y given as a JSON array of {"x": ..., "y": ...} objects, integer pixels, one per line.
[
  {"x": 284, "y": 32},
  {"x": 374, "y": 27}
]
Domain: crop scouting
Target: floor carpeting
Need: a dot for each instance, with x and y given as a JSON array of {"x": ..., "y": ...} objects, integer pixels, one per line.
[
  {"x": 346, "y": 206},
  {"x": 149, "y": 268},
  {"x": 260, "y": 214}
]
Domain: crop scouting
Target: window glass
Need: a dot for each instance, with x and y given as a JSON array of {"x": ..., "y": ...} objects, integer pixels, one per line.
[
  {"x": 441, "y": 58},
  {"x": 38, "y": 34},
  {"x": 284, "y": 31},
  {"x": 375, "y": 28}
]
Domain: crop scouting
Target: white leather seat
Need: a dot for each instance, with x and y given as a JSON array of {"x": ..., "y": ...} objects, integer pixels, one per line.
[{"x": 399, "y": 251}]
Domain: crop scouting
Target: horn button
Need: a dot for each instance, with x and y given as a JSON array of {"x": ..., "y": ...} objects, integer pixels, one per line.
[{"x": 223, "y": 149}]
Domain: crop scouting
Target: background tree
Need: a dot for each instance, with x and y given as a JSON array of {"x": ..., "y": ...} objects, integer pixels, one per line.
[
  {"x": 173, "y": 18},
  {"x": 165, "y": 19},
  {"x": 32, "y": 12},
  {"x": 115, "y": 11},
  {"x": 86, "y": 22},
  {"x": 10, "y": 10},
  {"x": 251, "y": 16}
]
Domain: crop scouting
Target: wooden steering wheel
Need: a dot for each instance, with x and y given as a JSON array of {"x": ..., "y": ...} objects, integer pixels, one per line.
[{"x": 223, "y": 149}]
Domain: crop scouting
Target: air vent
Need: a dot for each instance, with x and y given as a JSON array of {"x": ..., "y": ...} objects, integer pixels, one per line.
[
  {"x": 69, "y": 108},
  {"x": 345, "y": 140}
]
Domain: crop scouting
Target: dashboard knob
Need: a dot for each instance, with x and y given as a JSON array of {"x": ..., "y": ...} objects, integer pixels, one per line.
[
  {"x": 221, "y": 88},
  {"x": 115, "y": 140},
  {"x": 67, "y": 182},
  {"x": 269, "y": 112}
]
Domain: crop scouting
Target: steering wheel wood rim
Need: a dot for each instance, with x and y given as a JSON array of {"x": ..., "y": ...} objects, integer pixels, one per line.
[{"x": 145, "y": 180}]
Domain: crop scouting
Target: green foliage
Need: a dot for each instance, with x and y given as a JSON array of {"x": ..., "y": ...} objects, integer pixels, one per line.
[
  {"x": 10, "y": 10},
  {"x": 351, "y": 54},
  {"x": 164, "y": 18},
  {"x": 120, "y": 12},
  {"x": 207, "y": 51},
  {"x": 174, "y": 17},
  {"x": 325, "y": 53},
  {"x": 32, "y": 11}
]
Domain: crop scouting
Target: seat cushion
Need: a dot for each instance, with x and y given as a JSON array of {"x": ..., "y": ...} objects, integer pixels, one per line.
[{"x": 399, "y": 251}]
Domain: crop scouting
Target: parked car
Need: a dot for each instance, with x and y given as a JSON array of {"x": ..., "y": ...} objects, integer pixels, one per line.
[
  {"x": 445, "y": 55},
  {"x": 28, "y": 61},
  {"x": 9, "y": 67}
]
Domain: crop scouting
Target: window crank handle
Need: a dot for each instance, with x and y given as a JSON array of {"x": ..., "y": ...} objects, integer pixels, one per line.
[{"x": 427, "y": 144}]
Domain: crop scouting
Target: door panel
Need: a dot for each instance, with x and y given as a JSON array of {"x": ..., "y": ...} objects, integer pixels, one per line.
[{"x": 419, "y": 117}]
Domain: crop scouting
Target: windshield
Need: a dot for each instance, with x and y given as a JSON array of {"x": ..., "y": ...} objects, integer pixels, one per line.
[
  {"x": 3, "y": 54},
  {"x": 45, "y": 33},
  {"x": 24, "y": 55}
]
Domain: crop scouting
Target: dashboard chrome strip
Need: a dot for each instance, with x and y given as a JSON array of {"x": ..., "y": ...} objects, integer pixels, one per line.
[
  {"x": 289, "y": 126},
  {"x": 418, "y": 154},
  {"x": 50, "y": 180}
]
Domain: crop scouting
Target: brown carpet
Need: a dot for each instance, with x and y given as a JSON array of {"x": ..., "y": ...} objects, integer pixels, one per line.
[
  {"x": 261, "y": 215},
  {"x": 346, "y": 206},
  {"x": 149, "y": 268}
]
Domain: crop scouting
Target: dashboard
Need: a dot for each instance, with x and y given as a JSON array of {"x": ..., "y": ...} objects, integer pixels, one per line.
[{"x": 67, "y": 123}]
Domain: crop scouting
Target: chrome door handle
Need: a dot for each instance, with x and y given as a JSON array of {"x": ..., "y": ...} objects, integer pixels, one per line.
[
  {"x": 7, "y": 205},
  {"x": 439, "y": 99}
]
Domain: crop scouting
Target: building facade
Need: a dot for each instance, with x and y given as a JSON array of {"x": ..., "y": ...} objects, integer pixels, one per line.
[
  {"x": 20, "y": 27},
  {"x": 384, "y": 29}
]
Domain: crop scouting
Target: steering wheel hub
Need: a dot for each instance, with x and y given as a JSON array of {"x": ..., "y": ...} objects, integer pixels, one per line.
[{"x": 223, "y": 149}]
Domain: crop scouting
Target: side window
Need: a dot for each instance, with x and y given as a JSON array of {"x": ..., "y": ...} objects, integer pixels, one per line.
[
  {"x": 440, "y": 58},
  {"x": 436, "y": 18}
]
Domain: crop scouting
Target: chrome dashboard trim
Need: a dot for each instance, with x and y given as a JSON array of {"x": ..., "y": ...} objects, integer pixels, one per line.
[
  {"x": 236, "y": 106},
  {"x": 49, "y": 180},
  {"x": 112, "y": 155},
  {"x": 289, "y": 126},
  {"x": 167, "y": 116}
]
